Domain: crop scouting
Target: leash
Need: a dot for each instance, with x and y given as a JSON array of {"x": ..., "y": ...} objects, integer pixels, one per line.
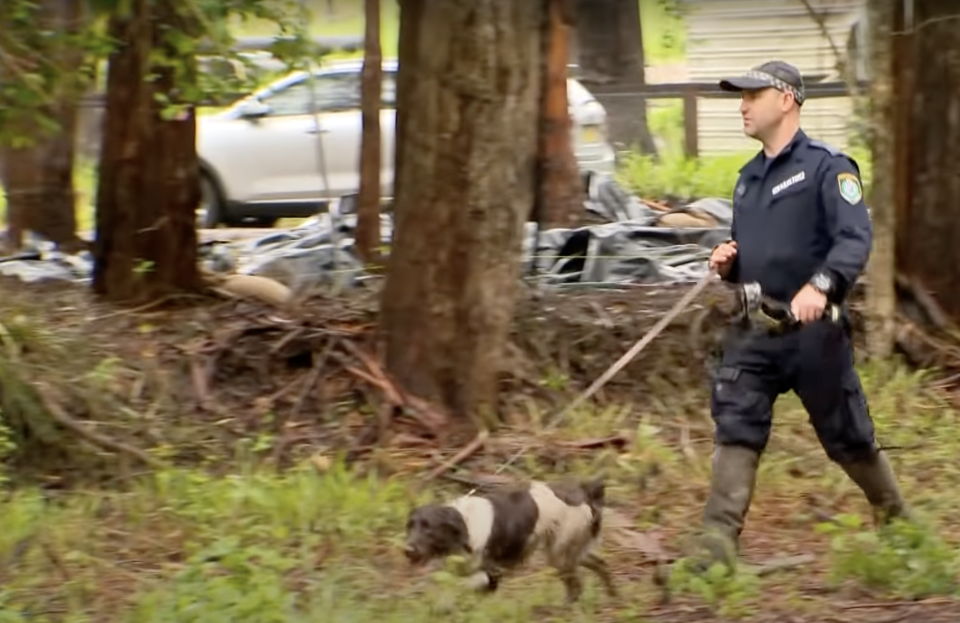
[{"x": 617, "y": 366}]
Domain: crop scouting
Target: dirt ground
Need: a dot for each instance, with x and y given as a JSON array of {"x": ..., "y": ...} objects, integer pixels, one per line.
[{"x": 212, "y": 373}]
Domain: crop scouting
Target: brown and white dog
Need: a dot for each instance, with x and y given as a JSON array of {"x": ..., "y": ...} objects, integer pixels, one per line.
[{"x": 500, "y": 531}]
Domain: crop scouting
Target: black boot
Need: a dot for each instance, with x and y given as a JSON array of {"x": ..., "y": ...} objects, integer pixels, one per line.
[{"x": 876, "y": 479}]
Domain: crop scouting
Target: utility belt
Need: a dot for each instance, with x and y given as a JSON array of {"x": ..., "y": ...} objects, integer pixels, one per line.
[{"x": 760, "y": 313}]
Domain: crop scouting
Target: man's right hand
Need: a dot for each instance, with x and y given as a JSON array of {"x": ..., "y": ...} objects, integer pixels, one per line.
[{"x": 721, "y": 260}]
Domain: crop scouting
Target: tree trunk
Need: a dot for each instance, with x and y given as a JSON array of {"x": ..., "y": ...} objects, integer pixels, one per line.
[
  {"x": 368, "y": 205},
  {"x": 38, "y": 175},
  {"x": 149, "y": 185},
  {"x": 560, "y": 194},
  {"x": 22, "y": 176},
  {"x": 38, "y": 179},
  {"x": 927, "y": 249},
  {"x": 468, "y": 99},
  {"x": 610, "y": 41},
  {"x": 881, "y": 271}
]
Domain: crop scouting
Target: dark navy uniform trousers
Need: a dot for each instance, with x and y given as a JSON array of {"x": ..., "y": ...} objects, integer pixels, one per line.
[{"x": 816, "y": 362}]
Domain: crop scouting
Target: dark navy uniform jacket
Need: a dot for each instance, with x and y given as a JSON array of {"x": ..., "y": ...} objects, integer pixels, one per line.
[{"x": 797, "y": 214}]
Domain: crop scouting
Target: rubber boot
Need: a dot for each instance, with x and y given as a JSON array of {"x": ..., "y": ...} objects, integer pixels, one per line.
[
  {"x": 731, "y": 491},
  {"x": 876, "y": 479}
]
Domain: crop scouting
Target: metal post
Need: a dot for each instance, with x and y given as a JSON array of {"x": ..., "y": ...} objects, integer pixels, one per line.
[{"x": 315, "y": 112}]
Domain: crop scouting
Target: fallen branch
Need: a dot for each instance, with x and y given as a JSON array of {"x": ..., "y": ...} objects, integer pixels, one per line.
[
  {"x": 926, "y": 301},
  {"x": 784, "y": 564},
  {"x": 479, "y": 482},
  {"x": 200, "y": 380},
  {"x": 466, "y": 452},
  {"x": 318, "y": 366},
  {"x": 617, "y": 441},
  {"x": 418, "y": 409},
  {"x": 60, "y": 416},
  {"x": 933, "y": 601}
]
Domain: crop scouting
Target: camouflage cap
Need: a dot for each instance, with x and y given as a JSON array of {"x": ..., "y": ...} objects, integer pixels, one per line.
[{"x": 777, "y": 74}]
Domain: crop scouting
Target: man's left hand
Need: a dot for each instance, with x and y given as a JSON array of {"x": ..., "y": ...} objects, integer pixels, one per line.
[{"x": 808, "y": 305}]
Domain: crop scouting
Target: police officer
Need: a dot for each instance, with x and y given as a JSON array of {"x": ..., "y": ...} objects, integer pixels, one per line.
[{"x": 801, "y": 230}]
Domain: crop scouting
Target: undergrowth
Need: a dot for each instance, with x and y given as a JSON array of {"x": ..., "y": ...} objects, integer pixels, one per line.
[{"x": 321, "y": 541}]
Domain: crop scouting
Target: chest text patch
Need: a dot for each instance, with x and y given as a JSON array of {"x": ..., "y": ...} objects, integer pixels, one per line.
[{"x": 790, "y": 181}]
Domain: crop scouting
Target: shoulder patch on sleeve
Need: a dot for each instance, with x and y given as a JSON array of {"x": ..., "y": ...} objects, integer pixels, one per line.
[{"x": 850, "y": 188}]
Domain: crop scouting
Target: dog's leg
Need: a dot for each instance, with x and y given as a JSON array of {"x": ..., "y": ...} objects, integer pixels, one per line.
[
  {"x": 494, "y": 575},
  {"x": 598, "y": 565},
  {"x": 572, "y": 583},
  {"x": 480, "y": 581},
  {"x": 486, "y": 579}
]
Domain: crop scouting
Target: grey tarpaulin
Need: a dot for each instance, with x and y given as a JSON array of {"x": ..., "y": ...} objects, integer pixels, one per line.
[{"x": 632, "y": 246}]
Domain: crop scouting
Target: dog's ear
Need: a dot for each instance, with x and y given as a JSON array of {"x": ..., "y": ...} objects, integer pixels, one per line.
[
  {"x": 455, "y": 529},
  {"x": 594, "y": 489}
]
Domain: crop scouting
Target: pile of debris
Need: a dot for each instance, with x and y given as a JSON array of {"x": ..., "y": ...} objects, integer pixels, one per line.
[
  {"x": 317, "y": 368},
  {"x": 637, "y": 242}
]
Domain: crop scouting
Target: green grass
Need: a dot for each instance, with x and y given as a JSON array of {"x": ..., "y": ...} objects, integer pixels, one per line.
[{"x": 183, "y": 546}]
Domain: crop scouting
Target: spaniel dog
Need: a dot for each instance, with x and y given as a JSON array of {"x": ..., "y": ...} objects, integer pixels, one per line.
[{"x": 500, "y": 531}]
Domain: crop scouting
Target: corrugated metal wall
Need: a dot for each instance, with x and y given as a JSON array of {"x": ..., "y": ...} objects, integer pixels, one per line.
[{"x": 729, "y": 36}]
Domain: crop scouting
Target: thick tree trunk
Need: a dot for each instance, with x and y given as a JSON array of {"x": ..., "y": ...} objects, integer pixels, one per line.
[
  {"x": 149, "y": 186},
  {"x": 38, "y": 176},
  {"x": 610, "y": 42},
  {"x": 928, "y": 234},
  {"x": 468, "y": 99},
  {"x": 560, "y": 198},
  {"x": 368, "y": 206},
  {"x": 881, "y": 271}
]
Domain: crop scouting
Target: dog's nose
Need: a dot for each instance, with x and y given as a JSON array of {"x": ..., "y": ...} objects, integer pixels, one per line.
[{"x": 410, "y": 552}]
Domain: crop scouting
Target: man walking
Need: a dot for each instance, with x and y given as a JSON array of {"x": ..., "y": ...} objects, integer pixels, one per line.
[{"x": 802, "y": 231}]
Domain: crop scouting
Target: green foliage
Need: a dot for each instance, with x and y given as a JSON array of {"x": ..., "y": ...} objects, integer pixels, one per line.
[
  {"x": 250, "y": 541},
  {"x": 673, "y": 175},
  {"x": 32, "y": 59},
  {"x": 38, "y": 63},
  {"x": 8, "y": 446},
  {"x": 728, "y": 589},
  {"x": 906, "y": 559},
  {"x": 664, "y": 32}
]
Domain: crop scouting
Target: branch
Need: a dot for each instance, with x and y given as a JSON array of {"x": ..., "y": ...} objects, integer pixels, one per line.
[
  {"x": 459, "y": 457},
  {"x": 60, "y": 416}
]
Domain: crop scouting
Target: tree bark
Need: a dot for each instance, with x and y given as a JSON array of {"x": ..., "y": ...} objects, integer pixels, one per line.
[
  {"x": 610, "y": 42},
  {"x": 149, "y": 185},
  {"x": 468, "y": 100},
  {"x": 38, "y": 175},
  {"x": 368, "y": 202},
  {"x": 881, "y": 270},
  {"x": 927, "y": 234},
  {"x": 560, "y": 193}
]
